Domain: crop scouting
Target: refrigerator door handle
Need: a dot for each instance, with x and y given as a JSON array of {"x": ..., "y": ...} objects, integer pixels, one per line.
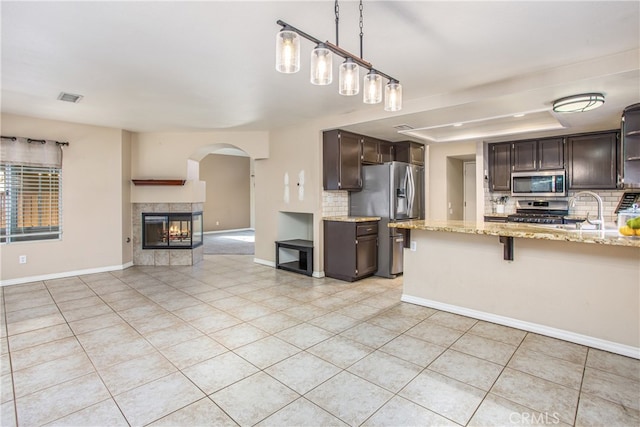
[{"x": 411, "y": 191}]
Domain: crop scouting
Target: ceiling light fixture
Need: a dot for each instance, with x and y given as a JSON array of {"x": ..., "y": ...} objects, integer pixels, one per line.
[
  {"x": 578, "y": 103},
  {"x": 288, "y": 61}
]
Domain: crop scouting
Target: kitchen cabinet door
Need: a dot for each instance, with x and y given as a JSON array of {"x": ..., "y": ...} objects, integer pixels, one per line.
[
  {"x": 631, "y": 146},
  {"x": 366, "y": 255},
  {"x": 541, "y": 154},
  {"x": 370, "y": 151},
  {"x": 551, "y": 153},
  {"x": 525, "y": 156},
  {"x": 500, "y": 167},
  {"x": 409, "y": 152},
  {"x": 386, "y": 150},
  {"x": 350, "y": 249},
  {"x": 341, "y": 161},
  {"x": 592, "y": 161}
]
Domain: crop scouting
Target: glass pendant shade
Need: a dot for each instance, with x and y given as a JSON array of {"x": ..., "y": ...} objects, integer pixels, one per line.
[
  {"x": 321, "y": 65},
  {"x": 349, "y": 84},
  {"x": 578, "y": 103},
  {"x": 372, "y": 88},
  {"x": 393, "y": 96},
  {"x": 287, "y": 51}
]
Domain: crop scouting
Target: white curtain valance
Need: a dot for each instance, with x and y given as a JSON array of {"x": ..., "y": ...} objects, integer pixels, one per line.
[{"x": 31, "y": 152}]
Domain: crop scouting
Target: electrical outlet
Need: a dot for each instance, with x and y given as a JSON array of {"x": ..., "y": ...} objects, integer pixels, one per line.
[
  {"x": 22, "y": 259},
  {"x": 414, "y": 245},
  {"x": 217, "y": 222}
]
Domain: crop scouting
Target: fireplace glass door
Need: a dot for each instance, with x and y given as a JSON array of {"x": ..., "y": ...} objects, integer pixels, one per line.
[{"x": 171, "y": 230}]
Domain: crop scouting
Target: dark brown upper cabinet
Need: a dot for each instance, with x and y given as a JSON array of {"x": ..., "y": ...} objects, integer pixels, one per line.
[
  {"x": 541, "y": 154},
  {"x": 341, "y": 163},
  {"x": 592, "y": 161},
  {"x": 376, "y": 151},
  {"x": 409, "y": 152},
  {"x": 500, "y": 166}
]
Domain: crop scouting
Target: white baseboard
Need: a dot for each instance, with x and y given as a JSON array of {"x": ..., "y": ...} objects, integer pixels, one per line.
[
  {"x": 62, "y": 275},
  {"x": 562, "y": 334},
  {"x": 228, "y": 231},
  {"x": 265, "y": 262}
]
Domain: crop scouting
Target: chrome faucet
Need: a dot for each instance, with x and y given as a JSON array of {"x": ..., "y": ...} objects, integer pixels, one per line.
[{"x": 599, "y": 222}]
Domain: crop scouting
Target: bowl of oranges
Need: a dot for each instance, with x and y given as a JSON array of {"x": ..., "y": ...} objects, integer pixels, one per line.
[{"x": 629, "y": 222}]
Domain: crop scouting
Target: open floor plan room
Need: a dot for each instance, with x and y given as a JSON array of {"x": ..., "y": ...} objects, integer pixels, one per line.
[{"x": 231, "y": 342}]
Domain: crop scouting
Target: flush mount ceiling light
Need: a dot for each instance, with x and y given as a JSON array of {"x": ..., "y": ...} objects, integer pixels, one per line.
[
  {"x": 288, "y": 61},
  {"x": 578, "y": 103}
]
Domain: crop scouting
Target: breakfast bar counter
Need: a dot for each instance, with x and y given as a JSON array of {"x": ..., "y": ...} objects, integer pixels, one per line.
[
  {"x": 567, "y": 233},
  {"x": 580, "y": 286}
]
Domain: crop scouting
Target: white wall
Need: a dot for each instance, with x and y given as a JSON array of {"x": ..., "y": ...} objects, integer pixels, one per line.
[
  {"x": 96, "y": 212},
  {"x": 228, "y": 193},
  {"x": 438, "y": 199}
]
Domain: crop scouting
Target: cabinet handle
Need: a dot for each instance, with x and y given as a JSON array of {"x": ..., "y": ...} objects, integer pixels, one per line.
[{"x": 633, "y": 158}]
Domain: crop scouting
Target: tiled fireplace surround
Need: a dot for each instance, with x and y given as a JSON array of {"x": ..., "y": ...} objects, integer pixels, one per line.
[{"x": 162, "y": 256}]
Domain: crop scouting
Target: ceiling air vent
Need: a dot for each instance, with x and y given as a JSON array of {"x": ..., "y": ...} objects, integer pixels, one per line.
[
  {"x": 69, "y": 97},
  {"x": 402, "y": 127}
]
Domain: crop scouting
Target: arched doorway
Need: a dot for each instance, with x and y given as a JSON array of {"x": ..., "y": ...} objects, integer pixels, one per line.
[{"x": 228, "y": 211}]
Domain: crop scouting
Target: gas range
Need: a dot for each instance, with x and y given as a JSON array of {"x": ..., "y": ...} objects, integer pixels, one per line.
[{"x": 540, "y": 211}]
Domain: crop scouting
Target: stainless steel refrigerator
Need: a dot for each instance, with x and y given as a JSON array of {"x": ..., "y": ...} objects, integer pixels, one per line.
[{"x": 393, "y": 191}]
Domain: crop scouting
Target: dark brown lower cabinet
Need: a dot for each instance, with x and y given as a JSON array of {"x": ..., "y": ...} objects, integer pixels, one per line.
[{"x": 350, "y": 249}]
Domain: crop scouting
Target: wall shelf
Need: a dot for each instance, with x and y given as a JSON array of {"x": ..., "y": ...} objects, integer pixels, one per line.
[{"x": 158, "y": 181}]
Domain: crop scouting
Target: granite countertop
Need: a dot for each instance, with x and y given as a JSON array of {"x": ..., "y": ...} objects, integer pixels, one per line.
[
  {"x": 526, "y": 231},
  {"x": 351, "y": 218}
]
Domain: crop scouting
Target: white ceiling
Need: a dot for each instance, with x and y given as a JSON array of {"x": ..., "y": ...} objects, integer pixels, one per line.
[{"x": 160, "y": 66}]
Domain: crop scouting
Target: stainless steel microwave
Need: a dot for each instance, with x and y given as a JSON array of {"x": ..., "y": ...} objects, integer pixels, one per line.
[{"x": 539, "y": 183}]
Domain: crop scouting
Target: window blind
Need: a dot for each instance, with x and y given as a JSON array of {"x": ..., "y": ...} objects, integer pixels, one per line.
[{"x": 31, "y": 203}]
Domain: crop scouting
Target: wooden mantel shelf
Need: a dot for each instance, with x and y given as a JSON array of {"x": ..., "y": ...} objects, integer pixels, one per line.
[{"x": 158, "y": 181}]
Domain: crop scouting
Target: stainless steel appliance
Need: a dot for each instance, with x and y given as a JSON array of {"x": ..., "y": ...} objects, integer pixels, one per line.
[
  {"x": 539, "y": 183},
  {"x": 393, "y": 191},
  {"x": 540, "y": 211}
]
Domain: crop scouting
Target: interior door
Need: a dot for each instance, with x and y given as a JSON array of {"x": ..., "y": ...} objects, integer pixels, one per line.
[{"x": 469, "y": 184}]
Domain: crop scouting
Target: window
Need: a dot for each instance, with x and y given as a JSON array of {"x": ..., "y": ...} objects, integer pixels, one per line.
[
  {"x": 30, "y": 183},
  {"x": 30, "y": 201}
]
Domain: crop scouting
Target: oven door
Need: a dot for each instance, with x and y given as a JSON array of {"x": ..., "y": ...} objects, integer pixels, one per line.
[{"x": 539, "y": 184}]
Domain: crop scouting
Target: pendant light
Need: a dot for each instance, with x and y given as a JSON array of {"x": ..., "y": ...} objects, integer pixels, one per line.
[
  {"x": 321, "y": 65},
  {"x": 393, "y": 96},
  {"x": 578, "y": 103},
  {"x": 349, "y": 84},
  {"x": 288, "y": 61},
  {"x": 287, "y": 51},
  {"x": 372, "y": 88}
]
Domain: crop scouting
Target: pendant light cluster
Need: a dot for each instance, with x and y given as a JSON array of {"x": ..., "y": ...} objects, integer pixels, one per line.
[{"x": 288, "y": 61}]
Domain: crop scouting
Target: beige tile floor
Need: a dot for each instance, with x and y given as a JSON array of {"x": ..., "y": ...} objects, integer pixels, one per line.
[{"x": 230, "y": 342}]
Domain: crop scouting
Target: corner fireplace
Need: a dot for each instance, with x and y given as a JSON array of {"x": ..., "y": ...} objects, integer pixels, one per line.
[{"x": 175, "y": 230}]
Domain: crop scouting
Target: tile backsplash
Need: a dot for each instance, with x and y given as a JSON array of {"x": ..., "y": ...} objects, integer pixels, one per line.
[
  {"x": 584, "y": 204},
  {"x": 335, "y": 203}
]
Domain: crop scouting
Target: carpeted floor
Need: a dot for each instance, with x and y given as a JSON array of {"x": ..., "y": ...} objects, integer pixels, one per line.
[{"x": 231, "y": 243}]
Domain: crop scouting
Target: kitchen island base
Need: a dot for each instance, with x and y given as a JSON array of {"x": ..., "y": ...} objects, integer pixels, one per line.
[{"x": 584, "y": 293}]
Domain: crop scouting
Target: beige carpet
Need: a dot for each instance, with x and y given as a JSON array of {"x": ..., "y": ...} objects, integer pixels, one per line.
[{"x": 231, "y": 243}]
